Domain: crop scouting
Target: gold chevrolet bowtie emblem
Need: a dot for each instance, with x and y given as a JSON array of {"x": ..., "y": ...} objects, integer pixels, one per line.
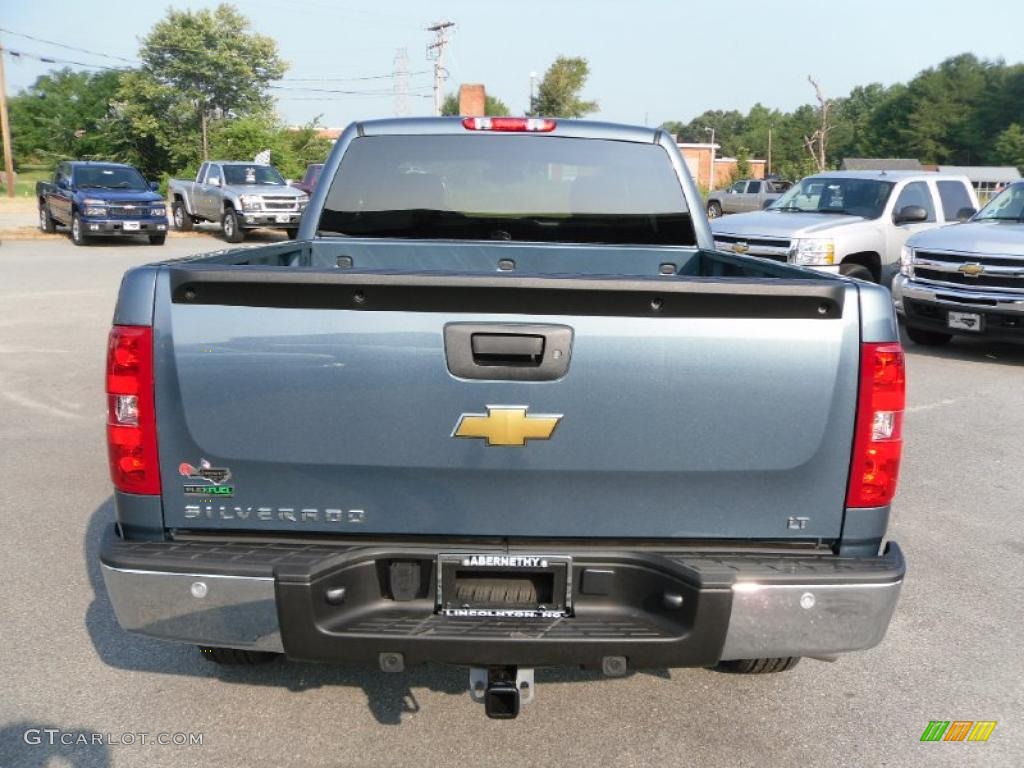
[
  {"x": 740, "y": 247},
  {"x": 971, "y": 270},
  {"x": 507, "y": 425}
]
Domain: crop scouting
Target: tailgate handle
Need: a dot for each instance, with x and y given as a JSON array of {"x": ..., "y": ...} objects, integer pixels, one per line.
[{"x": 507, "y": 349}]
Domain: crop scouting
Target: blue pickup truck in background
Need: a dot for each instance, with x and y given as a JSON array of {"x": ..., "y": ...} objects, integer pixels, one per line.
[{"x": 95, "y": 199}]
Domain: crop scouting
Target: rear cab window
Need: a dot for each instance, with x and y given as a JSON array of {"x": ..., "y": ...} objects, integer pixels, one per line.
[
  {"x": 954, "y": 197},
  {"x": 507, "y": 188}
]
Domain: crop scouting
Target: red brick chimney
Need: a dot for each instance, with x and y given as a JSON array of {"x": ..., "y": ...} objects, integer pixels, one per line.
[{"x": 472, "y": 100}]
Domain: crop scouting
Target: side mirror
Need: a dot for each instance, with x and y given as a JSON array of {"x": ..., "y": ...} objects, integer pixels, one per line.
[
  {"x": 213, "y": 181},
  {"x": 155, "y": 186},
  {"x": 910, "y": 214},
  {"x": 966, "y": 213}
]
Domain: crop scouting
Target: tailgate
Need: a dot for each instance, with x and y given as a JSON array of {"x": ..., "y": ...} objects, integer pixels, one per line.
[{"x": 701, "y": 408}]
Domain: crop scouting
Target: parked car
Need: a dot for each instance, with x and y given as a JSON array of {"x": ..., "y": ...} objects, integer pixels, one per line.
[
  {"x": 850, "y": 222},
  {"x": 240, "y": 196},
  {"x": 745, "y": 195},
  {"x": 504, "y": 425},
  {"x": 309, "y": 178},
  {"x": 92, "y": 198},
  {"x": 966, "y": 280}
]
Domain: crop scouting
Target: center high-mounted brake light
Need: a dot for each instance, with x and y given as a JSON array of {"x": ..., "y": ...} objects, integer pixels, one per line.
[
  {"x": 878, "y": 434},
  {"x": 131, "y": 414},
  {"x": 508, "y": 124}
]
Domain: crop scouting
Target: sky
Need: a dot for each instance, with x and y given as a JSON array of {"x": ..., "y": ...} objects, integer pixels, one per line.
[{"x": 649, "y": 62}]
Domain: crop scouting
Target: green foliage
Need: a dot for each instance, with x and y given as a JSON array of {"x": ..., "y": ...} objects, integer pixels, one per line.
[
  {"x": 62, "y": 115},
  {"x": 1009, "y": 146},
  {"x": 493, "y": 106},
  {"x": 558, "y": 94},
  {"x": 290, "y": 149},
  {"x": 742, "y": 163},
  {"x": 956, "y": 113}
]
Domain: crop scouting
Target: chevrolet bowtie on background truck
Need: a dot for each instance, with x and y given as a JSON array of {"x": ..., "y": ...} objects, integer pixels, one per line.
[
  {"x": 502, "y": 405},
  {"x": 106, "y": 199},
  {"x": 966, "y": 280},
  {"x": 850, "y": 222},
  {"x": 239, "y": 196}
]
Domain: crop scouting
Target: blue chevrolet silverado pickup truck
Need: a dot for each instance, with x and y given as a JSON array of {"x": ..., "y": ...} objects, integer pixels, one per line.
[
  {"x": 502, "y": 405},
  {"x": 101, "y": 199}
]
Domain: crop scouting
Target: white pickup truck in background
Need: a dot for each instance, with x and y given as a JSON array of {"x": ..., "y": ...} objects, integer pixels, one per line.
[{"x": 850, "y": 222}]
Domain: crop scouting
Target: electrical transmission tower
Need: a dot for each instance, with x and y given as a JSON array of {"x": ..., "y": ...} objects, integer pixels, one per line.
[
  {"x": 435, "y": 51},
  {"x": 400, "y": 78}
]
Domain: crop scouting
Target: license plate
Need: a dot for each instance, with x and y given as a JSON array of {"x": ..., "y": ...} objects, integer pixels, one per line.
[
  {"x": 131, "y": 226},
  {"x": 283, "y": 218},
  {"x": 504, "y": 586},
  {"x": 964, "y": 321}
]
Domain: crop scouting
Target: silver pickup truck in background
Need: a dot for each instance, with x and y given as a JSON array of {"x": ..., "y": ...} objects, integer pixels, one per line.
[
  {"x": 238, "y": 196},
  {"x": 850, "y": 222},
  {"x": 503, "y": 405},
  {"x": 966, "y": 280},
  {"x": 744, "y": 196}
]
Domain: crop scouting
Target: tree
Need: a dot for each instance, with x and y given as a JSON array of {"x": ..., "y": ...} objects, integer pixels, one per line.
[
  {"x": 211, "y": 61},
  {"x": 558, "y": 94},
  {"x": 817, "y": 141},
  {"x": 1009, "y": 146},
  {"x": 493, "y": 106},
  {"x": 61, "y": 115}
]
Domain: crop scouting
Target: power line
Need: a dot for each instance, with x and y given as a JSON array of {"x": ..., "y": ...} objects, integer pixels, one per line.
[
  {"x": 68, "y": 47},
  {"x": 349, "y": 79},
  {"x": 55, "y": 60}
]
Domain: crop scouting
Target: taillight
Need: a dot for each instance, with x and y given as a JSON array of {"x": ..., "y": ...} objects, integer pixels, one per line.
[
  {"x": 511, "y": 124},
  {"x": 131, "y": 416},
  {"x": 878, "y": 434}
]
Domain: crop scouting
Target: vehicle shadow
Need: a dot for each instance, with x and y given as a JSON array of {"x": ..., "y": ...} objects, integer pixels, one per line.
[
  {"x": 966, "y": 349},
  {"x": 29, "y": 745},
  {"x": 388, "y": 696},
  {"x": 251, "y": 235}
]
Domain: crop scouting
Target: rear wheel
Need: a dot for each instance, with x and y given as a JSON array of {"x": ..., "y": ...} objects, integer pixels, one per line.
[
  {"x": 928, "y": 338},
  {"x": 233, "y": 232},
  {"x": 78, "y": 236},
  {"x": 45, "y": 219},
  {"x": 182, "y": 221},
  {"x": 714, "y": 210},
  {"x": 157, "y": 239},
  {"x": 758, "y": 666},
  {"x": 236, "y": 656},
  {"x": 858, "y": 271}
]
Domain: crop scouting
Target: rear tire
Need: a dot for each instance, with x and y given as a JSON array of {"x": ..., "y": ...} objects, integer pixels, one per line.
[
  {"x": 182, "y": 221},
  {"x": 714, "y": 210},
  {"x": 928, "y": 338},
  {"x": 46, "y": 223},
  {"x": 233, "y": 231},
  {"x": 758, "y": 666},
  {"x": 857, "y": 271},
  {"x": 78, "y": 236},
  {"x": 157, "y": 239},
  {"x": 236, "y": 656}
]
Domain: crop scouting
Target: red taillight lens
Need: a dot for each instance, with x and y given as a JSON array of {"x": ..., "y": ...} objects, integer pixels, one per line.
[
  {"x": 508, "y": 124},
  {"x": 131, "y": 416},
  {"x": 878, "y": 434}
]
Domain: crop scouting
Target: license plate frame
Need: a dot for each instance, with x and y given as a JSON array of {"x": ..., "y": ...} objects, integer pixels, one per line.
[
  {"x": 131, "y": 226},
  {"x": 972, "y": 322},
  {"x": 556, "y": 568}
]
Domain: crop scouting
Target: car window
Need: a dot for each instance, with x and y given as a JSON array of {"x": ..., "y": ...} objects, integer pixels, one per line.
[
  {"x": 916, "y": 193},
  {"x": 201, "y": 176},
  {"x": 754, "y": 186},
  {"x": 739, "y": 186},
  {"x": 954, "y": 197},
  {"x": 212, "y": 172},
  {"x": 252, "y": 174}
]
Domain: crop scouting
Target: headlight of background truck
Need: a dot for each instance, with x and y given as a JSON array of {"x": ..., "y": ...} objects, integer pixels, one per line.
[
  {"x": 251, "y": 203},
  {"x": 95, "y": 207},
  {"x": 303, "y": 202},
  {"x": 906, "y": 259},
  {"x": 160, "y": 211},
  {"x": 813, "y": 252}
]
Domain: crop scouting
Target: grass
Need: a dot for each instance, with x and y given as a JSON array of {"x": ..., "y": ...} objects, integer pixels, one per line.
[{"x": 25, "y": 181}]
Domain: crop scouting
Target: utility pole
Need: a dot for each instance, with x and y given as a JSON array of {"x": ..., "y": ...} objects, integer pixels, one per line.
[
  {"x": 769, "y": 151},
  {"x": 5, "y": 128},
  {"x": 401, "y": 82},
  {"x": 711, "y": 178},
  {"x": 435, "y": 51},
  {"x": 533, "y": 83}
]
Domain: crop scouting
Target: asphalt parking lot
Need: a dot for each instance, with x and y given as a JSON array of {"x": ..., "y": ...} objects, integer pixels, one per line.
[{"x": 953, "y": 651}]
